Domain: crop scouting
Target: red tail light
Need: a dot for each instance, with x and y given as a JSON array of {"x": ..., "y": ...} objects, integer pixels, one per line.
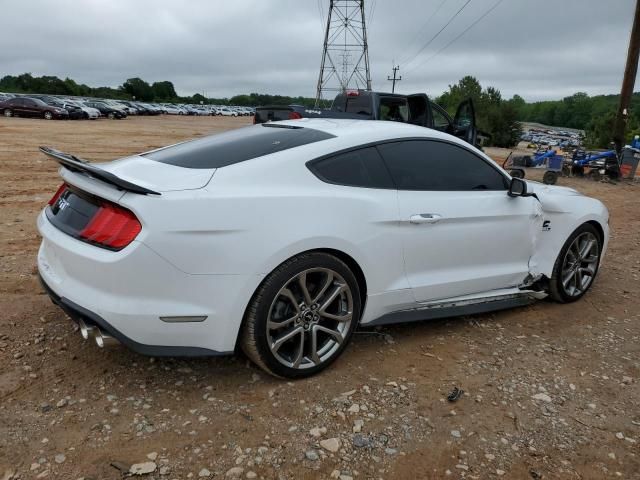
[
  {"x": 112, "y": 226},
  {"x": 353, "y": 93},
  {"x": 294, "y": 116},
  {"x": 59, "y": 192}
]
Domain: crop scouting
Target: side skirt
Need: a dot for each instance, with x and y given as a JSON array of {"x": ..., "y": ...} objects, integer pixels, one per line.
[{"x": 445, "y": 309}]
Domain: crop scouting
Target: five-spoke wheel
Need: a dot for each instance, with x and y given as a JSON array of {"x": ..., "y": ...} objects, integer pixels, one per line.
[
  {"x": 302, "y": 316},
  {"x": 577, "y": 265}
]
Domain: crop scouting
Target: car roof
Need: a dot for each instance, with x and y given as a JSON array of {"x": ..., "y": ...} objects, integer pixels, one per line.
[{"x": 366, "y": 131}]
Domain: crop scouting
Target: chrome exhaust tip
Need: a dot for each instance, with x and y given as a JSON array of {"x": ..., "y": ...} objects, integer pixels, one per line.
[
  {"x": 87, "y": 331},
  {"x": 104, "y": 340}
]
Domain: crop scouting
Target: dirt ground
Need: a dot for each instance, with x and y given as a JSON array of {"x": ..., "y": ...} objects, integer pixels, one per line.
[{"x": 69, "y": 410}]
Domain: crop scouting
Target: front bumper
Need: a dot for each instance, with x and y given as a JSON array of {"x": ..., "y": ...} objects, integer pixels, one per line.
[{"x": 125, "y": 293}]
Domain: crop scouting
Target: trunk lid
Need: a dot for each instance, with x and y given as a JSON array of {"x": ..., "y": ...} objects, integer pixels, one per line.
[
  {"x": 157, "y": 176},
  {"x": 136, "y": 174}
]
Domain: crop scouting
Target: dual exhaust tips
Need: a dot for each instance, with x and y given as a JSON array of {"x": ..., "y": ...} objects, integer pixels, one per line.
[{"x": 90, "y": 331}]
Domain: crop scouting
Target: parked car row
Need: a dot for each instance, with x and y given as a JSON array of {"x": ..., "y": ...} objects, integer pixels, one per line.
[
  {"x": 55, "y": 107},
  {"x": 552, "y": 138}
]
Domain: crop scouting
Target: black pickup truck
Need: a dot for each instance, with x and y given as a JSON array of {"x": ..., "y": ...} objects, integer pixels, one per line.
[{"x": 416, "y": 109}]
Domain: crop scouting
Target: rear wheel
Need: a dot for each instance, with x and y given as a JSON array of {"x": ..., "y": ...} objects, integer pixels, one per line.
[
  {"x": 302, "y": 316},
  {"x": 8, "y": 112},
  {"x": 577, "y": 265}
]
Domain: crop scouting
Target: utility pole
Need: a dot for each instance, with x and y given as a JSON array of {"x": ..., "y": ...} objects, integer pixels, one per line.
[
  {"x": 394, "y": 79},
  {"x": 628, "y": 81}
]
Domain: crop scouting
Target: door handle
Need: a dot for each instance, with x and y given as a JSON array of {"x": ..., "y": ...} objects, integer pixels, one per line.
[{"x": 425, "y": 218}]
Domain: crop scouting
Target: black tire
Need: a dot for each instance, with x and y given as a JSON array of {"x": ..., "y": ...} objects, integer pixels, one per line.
[
  {"x": 595, "y": 175},
  {"x": 557, "y": 290},
  {"x": 111, "y": 116},
  {"x": 550, "y": 178},
  {"x": 254, "y": 336},
  {"x": 8, "y": 112},
  {"x": 517, "y": 173},
  {"x": 47, "y": 115}
]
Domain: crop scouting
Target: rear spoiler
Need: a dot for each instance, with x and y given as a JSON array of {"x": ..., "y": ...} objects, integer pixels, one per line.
[{"x": 79, "y": 165}]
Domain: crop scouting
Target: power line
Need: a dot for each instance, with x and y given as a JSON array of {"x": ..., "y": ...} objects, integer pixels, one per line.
[
  {"x": 439, "y": 31},
  {"x": 424, "y": 25},
  {"x": 458, "y": 37},
  {"x": 373, "y": 7}
]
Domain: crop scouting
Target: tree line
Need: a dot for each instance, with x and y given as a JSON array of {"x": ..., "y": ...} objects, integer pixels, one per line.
[{"x": 498, "y": 117}]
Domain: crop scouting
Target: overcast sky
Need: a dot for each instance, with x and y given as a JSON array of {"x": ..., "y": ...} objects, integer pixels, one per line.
[{"x": 539, "y": 49}]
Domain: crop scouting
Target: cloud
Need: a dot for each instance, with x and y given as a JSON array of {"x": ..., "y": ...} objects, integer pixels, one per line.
[{"x": 542, "y": 49}]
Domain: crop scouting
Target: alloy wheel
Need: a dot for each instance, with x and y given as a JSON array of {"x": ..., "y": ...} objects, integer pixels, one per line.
[
  {"x": 580, "y": 264},
  {"x": 8, "y": 113},
  {"x": 309, "y": 318},
  {"x": 48, "y": 115}
]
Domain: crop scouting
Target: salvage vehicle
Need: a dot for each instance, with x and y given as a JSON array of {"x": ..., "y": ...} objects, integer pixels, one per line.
[
  {"x": 32, "y": 107},
  {"x": 75, "y": 112},
  {"x": 105, "y": 109},
  {"x": 282, "y": 238},
  {"x": 416, "y": 109}
]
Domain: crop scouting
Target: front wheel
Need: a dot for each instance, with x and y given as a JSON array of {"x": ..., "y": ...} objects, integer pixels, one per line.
[
  {"x": 302, "y": 316},
  {"x": 577, "y": 265},
  {"x": 111, "y": 115},
  {"x": 48, "y": 115}
]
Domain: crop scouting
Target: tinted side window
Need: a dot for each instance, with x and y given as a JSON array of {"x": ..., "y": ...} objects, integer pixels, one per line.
[
  {"x": 17, "y": 102},
  {"x": 357, "y": 168},
  {"x": 433, "y": 165}
]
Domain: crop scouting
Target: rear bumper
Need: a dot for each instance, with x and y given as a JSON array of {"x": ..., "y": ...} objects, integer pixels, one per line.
[
  {"x": 77, "y": 313},
  {"x": 126, "y": 293}
]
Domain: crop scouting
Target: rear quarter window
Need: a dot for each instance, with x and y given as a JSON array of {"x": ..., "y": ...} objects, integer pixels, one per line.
[
  {"x": 236, "y": 146},
  {"x": 356, "y": 168}
]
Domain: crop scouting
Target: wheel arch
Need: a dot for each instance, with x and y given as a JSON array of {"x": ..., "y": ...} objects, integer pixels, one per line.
[{"x": 353, "y": 265}]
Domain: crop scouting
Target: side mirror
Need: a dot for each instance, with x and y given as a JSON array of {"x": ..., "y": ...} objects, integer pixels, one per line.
[{"x": 518, "y": 188}]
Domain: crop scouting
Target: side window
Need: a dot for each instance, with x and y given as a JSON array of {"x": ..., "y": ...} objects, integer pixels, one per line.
[
  {"x": 394, "y": 109},
  {"x": 440, "y": 119},
  {"x": 18, "y": 102},
  {"x": 357, "y": 168},
  {"x": 433, "y": 165}
]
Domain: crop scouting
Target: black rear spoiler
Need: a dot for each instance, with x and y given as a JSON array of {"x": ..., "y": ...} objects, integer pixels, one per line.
[{"x": 76, "y": 164}]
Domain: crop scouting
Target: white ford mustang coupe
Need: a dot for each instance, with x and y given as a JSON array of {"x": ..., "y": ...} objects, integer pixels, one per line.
[{"x": 282, "y": 238}]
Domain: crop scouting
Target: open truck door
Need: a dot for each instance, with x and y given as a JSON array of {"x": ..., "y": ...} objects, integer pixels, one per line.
[
  {"x": 420, "y": 110},
  {"x": 464, "y": 123}
]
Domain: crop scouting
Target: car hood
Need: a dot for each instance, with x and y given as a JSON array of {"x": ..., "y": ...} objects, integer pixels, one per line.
[
  {"x": 542, "y": 189},
  {"x": 554, "y": 199},
  {"x": 158, "y": 176}
]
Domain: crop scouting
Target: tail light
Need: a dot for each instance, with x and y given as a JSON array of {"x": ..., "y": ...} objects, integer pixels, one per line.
[
  {"x": 294, "y": 116},
  {"x": 59, "y": 192},
  {"x": 353, "y": 93},
  {"x": 112, "y": 226}
]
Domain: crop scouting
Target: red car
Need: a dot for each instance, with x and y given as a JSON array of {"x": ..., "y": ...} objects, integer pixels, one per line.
[{"x": 31, "y": 107}]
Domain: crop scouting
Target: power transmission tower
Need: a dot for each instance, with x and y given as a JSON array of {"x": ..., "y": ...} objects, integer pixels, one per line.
[
  {"x": 628, "y": 81},
  {"x": 394, "y": 79},
  {"x": 345, "y": 56}
]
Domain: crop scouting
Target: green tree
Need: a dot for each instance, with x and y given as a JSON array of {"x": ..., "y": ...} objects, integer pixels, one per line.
[
  {"x": 138, "y": 88},
  {"x": 163, "y": 90}
]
